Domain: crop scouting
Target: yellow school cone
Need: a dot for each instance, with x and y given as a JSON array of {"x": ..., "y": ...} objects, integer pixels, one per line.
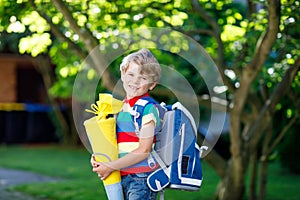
[{"x": 101, "y": 131}]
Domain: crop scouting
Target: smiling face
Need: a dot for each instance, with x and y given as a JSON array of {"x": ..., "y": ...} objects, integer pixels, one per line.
[{"x": 134, "y": 82}]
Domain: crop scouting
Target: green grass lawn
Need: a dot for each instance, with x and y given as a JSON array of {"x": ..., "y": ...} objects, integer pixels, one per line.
[{"x": 80, "y": 183}]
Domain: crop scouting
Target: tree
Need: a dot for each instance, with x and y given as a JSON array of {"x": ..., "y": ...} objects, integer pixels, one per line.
[{"x": 254, "y": 45}]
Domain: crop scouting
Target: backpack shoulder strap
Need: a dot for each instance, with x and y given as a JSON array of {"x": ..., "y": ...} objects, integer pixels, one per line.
[
  {"x": 179, "y": 106},
  {"x": 138, "y": 109}
]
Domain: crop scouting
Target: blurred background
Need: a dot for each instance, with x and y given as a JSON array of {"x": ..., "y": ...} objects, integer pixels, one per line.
[{"x": 253, "y": 44}]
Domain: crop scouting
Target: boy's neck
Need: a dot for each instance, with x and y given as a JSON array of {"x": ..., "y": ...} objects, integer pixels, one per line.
[{"x": 133, "y": 100}]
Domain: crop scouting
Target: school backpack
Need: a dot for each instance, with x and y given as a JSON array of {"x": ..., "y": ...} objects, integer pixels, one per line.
[{"x": 176, "y": 149}]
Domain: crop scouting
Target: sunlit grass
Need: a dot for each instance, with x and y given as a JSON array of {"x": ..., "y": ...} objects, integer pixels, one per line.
[
  {"x": 72, "y": 165},
  {"x": 80, "y": 183}
]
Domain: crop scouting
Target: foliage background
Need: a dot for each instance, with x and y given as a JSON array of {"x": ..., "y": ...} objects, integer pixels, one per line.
[{"x": 255, "y": 45}]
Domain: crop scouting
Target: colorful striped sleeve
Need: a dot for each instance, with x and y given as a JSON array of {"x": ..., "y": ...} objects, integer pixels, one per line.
[{"x": 151, "y": 114}]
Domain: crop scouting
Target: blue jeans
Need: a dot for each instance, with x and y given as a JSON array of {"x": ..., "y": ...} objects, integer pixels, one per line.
[{"x": 135, "y": 187}]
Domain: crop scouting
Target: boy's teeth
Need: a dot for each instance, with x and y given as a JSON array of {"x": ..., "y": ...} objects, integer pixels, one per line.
[{"x": 134, "y": 88}]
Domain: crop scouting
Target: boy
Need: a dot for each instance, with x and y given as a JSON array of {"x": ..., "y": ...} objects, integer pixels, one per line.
[{"x": 140, "y": 73}]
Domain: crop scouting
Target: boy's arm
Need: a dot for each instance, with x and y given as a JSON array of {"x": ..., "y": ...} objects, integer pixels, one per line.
[
  {"x": 142, "y": 151},
  {"x": 136, "y": 156}
]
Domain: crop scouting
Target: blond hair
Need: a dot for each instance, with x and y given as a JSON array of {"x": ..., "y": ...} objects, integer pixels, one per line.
[{"x": 148, "y": 64}]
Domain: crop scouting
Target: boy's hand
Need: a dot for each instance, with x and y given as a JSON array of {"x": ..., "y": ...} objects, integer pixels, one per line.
[
  {"x": 93, "y": 161},
  {"x": 103, "y": 170}
]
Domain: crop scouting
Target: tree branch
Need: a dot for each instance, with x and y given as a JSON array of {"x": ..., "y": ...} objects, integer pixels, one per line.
[
  {"x": 262, "y": 51},
  {"x": 217, "y": 34},
  {"x": 251, "y": 70},
  {"x": 215, "y": 160},
  {"x": 270, "y": 104},
  {"x": 42, "y": 64},
  {"x": 282, "y": 133},
  {"x": 97, "y": 60},
  {"x": 265, "y": 42},
  {"x": 55, "y": 30},
  {"x": 85, "y": 35}
]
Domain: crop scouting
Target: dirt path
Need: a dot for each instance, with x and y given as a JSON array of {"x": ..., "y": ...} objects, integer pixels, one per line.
[{"x": 9, "y": 177}]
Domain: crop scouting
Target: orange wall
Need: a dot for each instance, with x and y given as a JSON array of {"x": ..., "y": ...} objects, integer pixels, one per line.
[{"x": 8, "y": 82}]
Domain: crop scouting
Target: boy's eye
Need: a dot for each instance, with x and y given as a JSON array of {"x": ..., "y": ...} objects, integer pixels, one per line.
[{"x": 130, "y": 74}]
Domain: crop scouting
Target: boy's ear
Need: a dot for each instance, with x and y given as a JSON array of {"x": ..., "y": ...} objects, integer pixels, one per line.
[
  {"x": 122, "y": 74},
  {"x": 152, "y": 85}
]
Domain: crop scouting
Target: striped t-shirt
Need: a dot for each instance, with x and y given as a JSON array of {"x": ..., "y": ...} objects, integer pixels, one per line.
[{"x": 128, "y": 140}]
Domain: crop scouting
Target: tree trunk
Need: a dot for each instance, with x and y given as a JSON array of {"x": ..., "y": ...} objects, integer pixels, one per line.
[
  {"x": 264, "y": 163},
  {"x": 234, "y": 181},
  {"x": 253, "y": 174},
  {"x": 43, "y": 66},
  {"x": 263, "y": 179},
  {"x": 267, "y": 149}
]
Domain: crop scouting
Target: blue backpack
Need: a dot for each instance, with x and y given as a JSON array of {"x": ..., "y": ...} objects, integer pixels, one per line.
[{"x": 176, "y": 149}]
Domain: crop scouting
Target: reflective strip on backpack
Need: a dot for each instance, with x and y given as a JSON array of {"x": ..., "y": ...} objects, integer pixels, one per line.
[
  {"x": 190, "y": 181},
  {"x": 182, "y": 133}
]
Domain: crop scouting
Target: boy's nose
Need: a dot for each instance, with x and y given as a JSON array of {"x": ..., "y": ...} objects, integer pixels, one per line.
[{"x": 135, "y": 80}]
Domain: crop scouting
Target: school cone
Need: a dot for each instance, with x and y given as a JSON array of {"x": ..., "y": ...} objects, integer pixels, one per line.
[{"x": 101, "y": 131}]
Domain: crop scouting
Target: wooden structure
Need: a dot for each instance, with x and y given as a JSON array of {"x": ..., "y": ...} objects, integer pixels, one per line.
[
  {"x": 24, "y": 111},
  {"x": 20, "y": 81}
]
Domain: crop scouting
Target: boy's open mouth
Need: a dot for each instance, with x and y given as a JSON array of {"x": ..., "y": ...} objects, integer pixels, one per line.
[{"x": 133, "y": 87}]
